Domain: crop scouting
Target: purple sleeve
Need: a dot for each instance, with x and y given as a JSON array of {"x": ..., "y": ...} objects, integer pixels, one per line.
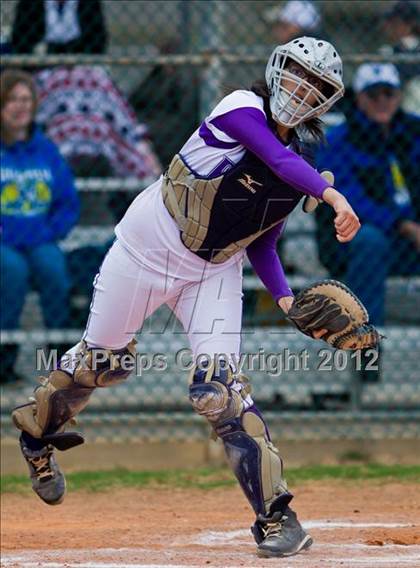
[
  {"x": 263, "y": 256},
  {"x": 249, "y": 127}
]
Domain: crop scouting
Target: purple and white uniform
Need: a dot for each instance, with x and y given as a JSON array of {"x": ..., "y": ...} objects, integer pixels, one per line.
[{"x": 148, "y": 265}]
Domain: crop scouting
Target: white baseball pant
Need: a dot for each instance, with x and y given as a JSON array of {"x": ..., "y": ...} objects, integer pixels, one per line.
[{"x": 126, "y": 293}]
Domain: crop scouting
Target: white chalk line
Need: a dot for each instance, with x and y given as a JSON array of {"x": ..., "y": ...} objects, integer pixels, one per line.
[
  {"x": 350, "y": 525},
  {"x": 391, "y": 554},
  {"x": 365, "y": 563},
  {"x": 410, "y": 560},
  {"x": 99, "y": 565},
  {"x": 381, "y": 561},
  {"x": 219, "y": 538}
]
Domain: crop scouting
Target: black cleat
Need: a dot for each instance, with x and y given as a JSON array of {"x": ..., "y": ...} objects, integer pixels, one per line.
[
  {"x": 283, "y": 536},
  {"x": 47, "y": 480}
]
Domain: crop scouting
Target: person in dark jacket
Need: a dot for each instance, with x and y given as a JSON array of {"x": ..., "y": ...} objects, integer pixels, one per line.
[
  {"x": 39, "y": 206},
  {"x": 375, "y": 157},
  {"x": 168, "y": 102},
  {"x": 66, "y": 26}
]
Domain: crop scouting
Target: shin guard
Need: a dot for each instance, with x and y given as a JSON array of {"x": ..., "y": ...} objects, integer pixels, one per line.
[
  {"x": 225, "y": 401},
  {"x": 62, "y": 395}
]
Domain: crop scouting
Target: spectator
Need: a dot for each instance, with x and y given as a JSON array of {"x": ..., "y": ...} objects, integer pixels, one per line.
[
  {"x": 401, "y": 26},
  {"x": 87, "y": 116},
  {"x": 375, "y": 157},
  {"x": 168, "y": 100},
  {"x": 66, "y": 26},
  {"x": 96, "y": 130},
  {"x": 39, "y": 206},
  {"x": 294, "y": 19}
]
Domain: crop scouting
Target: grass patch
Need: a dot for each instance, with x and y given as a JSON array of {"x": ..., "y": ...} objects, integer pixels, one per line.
[
  {"x": 211, "y": 478},
  {"x": 357, "y": 472}
]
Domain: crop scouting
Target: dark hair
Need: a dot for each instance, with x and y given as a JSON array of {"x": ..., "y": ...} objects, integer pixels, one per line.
[
  {"x": 8, "y": 81},
  {"x": 313, "y": 126}
]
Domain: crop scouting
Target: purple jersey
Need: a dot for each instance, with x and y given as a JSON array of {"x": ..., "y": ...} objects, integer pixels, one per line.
[{"x": 237, "y": 124}]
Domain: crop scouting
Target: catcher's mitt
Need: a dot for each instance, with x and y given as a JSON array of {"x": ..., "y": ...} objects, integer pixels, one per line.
[{"x": 330, "y": 305}]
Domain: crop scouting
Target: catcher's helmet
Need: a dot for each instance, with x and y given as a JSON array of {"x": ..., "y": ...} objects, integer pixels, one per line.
[{"x": 318, "y": 57}]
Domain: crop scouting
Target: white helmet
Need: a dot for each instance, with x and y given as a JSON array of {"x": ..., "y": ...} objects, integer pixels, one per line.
[{"x": 318, "y": 57}]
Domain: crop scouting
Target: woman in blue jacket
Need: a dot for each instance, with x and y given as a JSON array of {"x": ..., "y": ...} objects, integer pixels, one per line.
[{"x": 39, "y": 206}]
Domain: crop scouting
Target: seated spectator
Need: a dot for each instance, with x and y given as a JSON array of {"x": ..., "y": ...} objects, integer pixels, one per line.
[
  {"x": 168, "y": 100},
  {"x": 96, "y": 130},
  {"x": 375, "y": 157},
  {"x": 294, "y": 19},
  {"x": 66, "y": 26},
  {"x": 401, "y": 25},
  {"x": 86, "y": 115},
  {"x": 39, "y": 206}
]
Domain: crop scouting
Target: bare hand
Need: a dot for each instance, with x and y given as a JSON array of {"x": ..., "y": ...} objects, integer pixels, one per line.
[
  {"x": 346, "y": 221},
  {"x": 285, "y": 303}
]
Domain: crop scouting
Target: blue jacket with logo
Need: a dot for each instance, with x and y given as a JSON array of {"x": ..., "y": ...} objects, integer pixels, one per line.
[
  {"x": 39, "y": 202},
  {"x": 379, "y": 176}
]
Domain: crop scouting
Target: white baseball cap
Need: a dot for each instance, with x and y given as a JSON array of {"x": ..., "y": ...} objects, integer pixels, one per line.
[
  {"x": 301, "y": 13},
  {"x": 371, "y": 74}
]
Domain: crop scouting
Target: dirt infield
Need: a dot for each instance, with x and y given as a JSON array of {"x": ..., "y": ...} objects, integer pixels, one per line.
[{"x": 353, "y": 524}]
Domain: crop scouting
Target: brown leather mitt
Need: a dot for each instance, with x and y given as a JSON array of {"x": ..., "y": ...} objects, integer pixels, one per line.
[{"x": 330, "y": 305}]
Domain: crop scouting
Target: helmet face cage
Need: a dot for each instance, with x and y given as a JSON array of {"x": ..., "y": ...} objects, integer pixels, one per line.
[{"x": 289, "y": 106}]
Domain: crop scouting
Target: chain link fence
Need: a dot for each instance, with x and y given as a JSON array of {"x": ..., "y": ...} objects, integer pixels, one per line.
[{"x": 120, "y": 86}]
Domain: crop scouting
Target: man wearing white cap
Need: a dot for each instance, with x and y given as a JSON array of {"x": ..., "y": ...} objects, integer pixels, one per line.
[
  {"x": 375, "y": 159},
  {"x": 377, "y": 90},
  {"x": 293, "y": 19}
]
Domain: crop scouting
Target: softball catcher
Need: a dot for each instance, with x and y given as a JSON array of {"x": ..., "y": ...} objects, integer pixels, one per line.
[{"x": 226, "y": 193}]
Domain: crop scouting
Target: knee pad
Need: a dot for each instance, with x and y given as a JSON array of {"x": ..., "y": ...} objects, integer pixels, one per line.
[
  {"x": 217, "y": 396},
  {"x": 104, "y": 368},
  {"x": 62, "y": 395}
]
